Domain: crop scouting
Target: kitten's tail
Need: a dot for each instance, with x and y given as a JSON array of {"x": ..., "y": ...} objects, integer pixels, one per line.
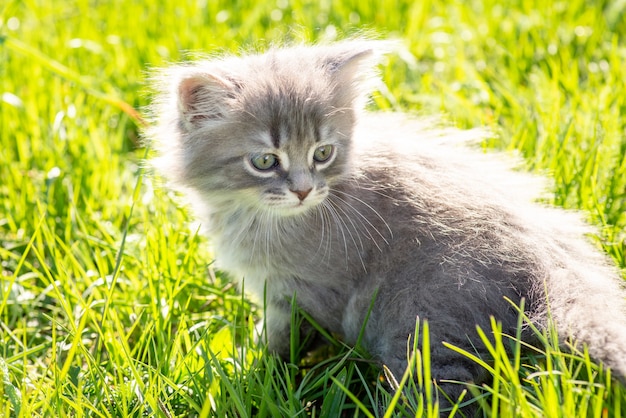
[{"x": 588, "y": 306}]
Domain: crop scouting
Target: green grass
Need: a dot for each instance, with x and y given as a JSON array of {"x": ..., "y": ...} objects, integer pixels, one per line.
[{"x": 109, "y": 305}]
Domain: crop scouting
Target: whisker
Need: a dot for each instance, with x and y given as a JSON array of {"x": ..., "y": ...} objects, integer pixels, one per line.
[
  {"x": 321, "y": 211},
  {"x": 338, "y": 224},
  {"x": 370, "y": 208},
  {"x": 356, "y": 230},
  {"x": 257, "y": 231},
  {"x": 364, "y": 220},
  {"x": 241, "y": 234},
  {"x": 344, "y": 225},
  {"x": 271, "y": 233},
  {"x": 363, "y": 228}
]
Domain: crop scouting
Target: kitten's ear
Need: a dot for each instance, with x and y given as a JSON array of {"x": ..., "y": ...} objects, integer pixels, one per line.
[
  {"x": 348, "y": 63},
  {"x": 203, "y": 97},
  {"x": 352, "y": 70}
]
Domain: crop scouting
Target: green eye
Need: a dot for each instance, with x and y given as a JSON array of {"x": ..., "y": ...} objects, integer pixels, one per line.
[
  {"x": 323, "y": 153},
  {"x": 264, "y": 162}
]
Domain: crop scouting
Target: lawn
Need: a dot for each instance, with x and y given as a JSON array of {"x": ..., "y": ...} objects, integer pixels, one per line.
[{"x": 109, "y": 304}]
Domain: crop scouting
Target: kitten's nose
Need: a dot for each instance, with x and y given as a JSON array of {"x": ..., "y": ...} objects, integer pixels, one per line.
[{"x": 302, "y": 194}]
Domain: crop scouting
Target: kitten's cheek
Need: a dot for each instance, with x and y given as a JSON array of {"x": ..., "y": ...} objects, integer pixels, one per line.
[
  {"x": 322, "y": 194},
  {"x": 318, "y": 198}
]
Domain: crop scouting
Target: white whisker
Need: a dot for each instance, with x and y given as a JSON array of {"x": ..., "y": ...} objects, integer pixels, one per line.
[
  {"x": 342, "y": 227},
  {"x": 368, "y": 226},
  {"x": 321, "y": 211},
  {"x": 339, "y": 207}
]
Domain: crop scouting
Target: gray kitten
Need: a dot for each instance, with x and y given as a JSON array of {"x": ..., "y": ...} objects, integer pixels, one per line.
[{"x": 305, "y": 195}]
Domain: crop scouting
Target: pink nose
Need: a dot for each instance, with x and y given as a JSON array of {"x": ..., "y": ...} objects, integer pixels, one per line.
[{"x": 302, "y": 194}]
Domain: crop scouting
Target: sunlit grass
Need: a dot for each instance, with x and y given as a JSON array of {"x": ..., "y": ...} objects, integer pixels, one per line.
[{"x": 109, "y": 306}]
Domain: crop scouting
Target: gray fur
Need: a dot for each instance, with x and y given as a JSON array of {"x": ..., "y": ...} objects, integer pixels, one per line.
[{"x": 440, "y": 231}]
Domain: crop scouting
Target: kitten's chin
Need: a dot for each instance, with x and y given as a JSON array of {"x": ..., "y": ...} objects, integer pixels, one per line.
[{"x": 294, "y": 210}]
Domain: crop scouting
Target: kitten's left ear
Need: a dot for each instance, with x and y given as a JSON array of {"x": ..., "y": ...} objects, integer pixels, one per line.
[
  {"x": 352, "y": 69},
  {"x": 347, "y": 61}
]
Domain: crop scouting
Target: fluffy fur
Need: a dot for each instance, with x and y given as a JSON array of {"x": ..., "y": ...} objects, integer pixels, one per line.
[{"x": 400, "y": 209}]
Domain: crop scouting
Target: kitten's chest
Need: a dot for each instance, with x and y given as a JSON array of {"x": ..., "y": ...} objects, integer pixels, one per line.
[
  {"x": 262, "y": 248},
  {"x": 280, "y": 254}
]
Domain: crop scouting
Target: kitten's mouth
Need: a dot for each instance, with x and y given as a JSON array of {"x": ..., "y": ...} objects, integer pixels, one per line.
[
  {"x": 301, "y": 206},
  {"x": 296, "y": 209}
]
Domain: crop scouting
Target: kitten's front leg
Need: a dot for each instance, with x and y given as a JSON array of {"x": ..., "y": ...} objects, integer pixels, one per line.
[
  {"x": 279, "y": 328},
  {"x": 275, "y": 328}
]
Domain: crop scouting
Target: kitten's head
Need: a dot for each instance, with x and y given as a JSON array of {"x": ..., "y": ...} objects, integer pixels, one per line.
[{"x": 271, "y": 132}]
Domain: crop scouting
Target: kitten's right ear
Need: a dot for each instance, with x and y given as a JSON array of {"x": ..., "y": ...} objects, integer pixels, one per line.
[{"x": 202, "y": 98}]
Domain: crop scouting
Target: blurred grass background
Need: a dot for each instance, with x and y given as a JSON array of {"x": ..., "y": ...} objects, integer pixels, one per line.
[{"x": 108, "y": 303}]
